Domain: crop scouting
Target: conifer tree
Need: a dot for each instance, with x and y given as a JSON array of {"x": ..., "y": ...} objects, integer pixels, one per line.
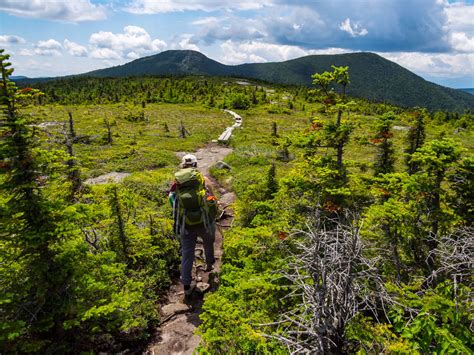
[
  {"x": 382, "y": 140},
  {"x": 435, "y": 159},
  {"x": 338, "y": 132},
  {"x": 274, "y": 129},
  {"x": 272, "y": 184},
  {"x": 37, "y": 280},
  {"x": 415, "y": 138},
  {"x": 117, "y": 212}
]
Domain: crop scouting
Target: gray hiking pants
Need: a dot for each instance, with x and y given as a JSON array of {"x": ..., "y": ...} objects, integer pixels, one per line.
[{"x": 188, "y": 245}]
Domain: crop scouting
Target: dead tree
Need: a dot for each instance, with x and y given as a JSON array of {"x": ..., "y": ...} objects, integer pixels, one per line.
[
  {"x": 455, "y": 255},
  {"x": 73, "y": 173},
  {"x": 333, "y": 282},
  {"x": 72, "y": 132},
  {"x": 183, "y": 132},
  {"x": 109, "y": 123}
]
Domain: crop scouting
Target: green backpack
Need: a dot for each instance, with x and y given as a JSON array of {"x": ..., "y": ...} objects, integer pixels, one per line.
[{"x": 190, "y": 196}]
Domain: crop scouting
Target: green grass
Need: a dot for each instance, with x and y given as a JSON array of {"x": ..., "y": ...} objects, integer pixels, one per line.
[{"x": 136, "y": 146}]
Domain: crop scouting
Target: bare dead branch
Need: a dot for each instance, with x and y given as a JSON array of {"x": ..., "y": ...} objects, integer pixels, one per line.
[{"x": 333, "y": 281}]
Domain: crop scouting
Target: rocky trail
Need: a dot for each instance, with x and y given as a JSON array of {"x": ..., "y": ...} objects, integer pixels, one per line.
[{"x": 180, "y": 317}]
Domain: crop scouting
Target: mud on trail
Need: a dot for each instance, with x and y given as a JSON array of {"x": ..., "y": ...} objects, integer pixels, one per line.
[{"x": 180, "y": 318}]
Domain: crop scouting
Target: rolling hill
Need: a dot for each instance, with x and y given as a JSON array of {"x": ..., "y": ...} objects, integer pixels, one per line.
[{"x": 372, "y": 76}]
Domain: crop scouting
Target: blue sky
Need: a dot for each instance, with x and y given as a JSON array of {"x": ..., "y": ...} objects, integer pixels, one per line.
[{"x": 433, "y": 38}]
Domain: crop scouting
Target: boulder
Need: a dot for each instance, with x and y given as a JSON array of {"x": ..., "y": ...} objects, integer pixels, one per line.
[
  {"x": 175, "y": 308},
  {"x": 221, "y": 165},
  {"x": 202, "y": 287}
]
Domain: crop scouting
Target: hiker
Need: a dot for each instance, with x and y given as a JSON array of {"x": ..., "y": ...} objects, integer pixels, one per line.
[{"x": 194, "y": 210}]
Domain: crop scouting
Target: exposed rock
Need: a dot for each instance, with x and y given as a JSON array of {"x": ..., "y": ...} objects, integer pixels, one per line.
[
  {"x": 107, "y": 178},
  {"x": 221, "y": 165},
  {"x": 48, "y": 124},
  {"x": 202, "y": 287},
  {"x": 175, "y": 308},
  {"x": 401, "y": 128}
]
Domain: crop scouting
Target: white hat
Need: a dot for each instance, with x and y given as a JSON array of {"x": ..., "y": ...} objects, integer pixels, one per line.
[{"x": 189, "y": 160}]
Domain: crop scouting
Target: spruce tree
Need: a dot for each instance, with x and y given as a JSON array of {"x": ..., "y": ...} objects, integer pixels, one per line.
[
  {"x": 35, "y": 279},
  {"x": 382, "y": 140},
  {"x": 415, "y": 138}
]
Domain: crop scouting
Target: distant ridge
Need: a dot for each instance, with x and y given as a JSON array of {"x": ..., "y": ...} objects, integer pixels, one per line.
[
  {"x": 468, "y": 90},
  {"x": 372, "y": 77}
]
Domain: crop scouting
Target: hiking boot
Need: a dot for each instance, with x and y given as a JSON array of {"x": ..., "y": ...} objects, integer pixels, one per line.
[
  {"x": 209, "y": 267},
  {"x": 188, "y": 291}
]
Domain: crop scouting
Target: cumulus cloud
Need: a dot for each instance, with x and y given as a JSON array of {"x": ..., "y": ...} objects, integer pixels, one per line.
[
  {"x": 26, "y": 52},
  {"x": 296, "y": 25},
  {"x": 160, "y": 6},
  {"x": 460, "y": 26},
  {"x": 460, "y": 17},
  {"x": 212, "y": 29},
  {"x": 105, "y": 53},
  {"x": 186, "y": 42},
  {"x": 354, "y": 30},
  {"x": 49, "y": 48},
  {"x": 461, "y": 42},
  {"x": 259, "y": 52},
  {"x": 435, "y": 64},
  {"x": 75, "y": 49},
  {"x": 70, "y": 11},
  {"x": 133, "y": 42},
  {"x": 11, "y": 39},
  {"x": 383, "y": 25}
]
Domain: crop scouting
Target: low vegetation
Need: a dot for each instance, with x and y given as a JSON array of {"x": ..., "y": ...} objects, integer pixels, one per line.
[{"x": 353, "y": 227}]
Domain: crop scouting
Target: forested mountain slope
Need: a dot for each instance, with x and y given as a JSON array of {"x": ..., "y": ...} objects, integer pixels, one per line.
[{"x": 372, "y": 76}]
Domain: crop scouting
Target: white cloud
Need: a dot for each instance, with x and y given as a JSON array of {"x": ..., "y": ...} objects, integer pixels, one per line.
[
  {"x": 460, "y": 17},
  {"x": 163, "y": 6},
  {"x": 462, "y": 43},
  {"x": 258, "y": 52},
  {"x": 11, "y": 39},
  {"x": 185, "y": 43},
  {"x": 49, "y": 44},
  {"x": 134, "y": 40},
  {"x": 158, "y": 45},
  {"x": 441, "y": 65},
  {"x": 70, "y": 11},
  {"x": 206, "y": 21},
  {"x": 75, "y": 49},
  {"x": 229, "y": 27},
  {"x": 105, "y": 53},
  {"x": 355, "y": 30},
  {"x": 460, "y": 26},
  {"x": 49, "y": 48},
  {"x": 27, "y": 52},
  {"x": 133, "y": 55}
]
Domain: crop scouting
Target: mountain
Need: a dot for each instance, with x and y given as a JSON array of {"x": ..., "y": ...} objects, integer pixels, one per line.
[
  {"x": 468, "y": 90},
  {"x": 372, "y": 76},
  {"x": 173, "y": 62}
]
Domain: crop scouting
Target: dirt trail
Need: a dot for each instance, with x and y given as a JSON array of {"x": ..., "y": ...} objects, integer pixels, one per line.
[{"x": 180, "y": 318}]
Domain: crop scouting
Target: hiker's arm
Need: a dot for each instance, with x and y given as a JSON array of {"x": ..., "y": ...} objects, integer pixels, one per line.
[{"x": 172, "y": 193}]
